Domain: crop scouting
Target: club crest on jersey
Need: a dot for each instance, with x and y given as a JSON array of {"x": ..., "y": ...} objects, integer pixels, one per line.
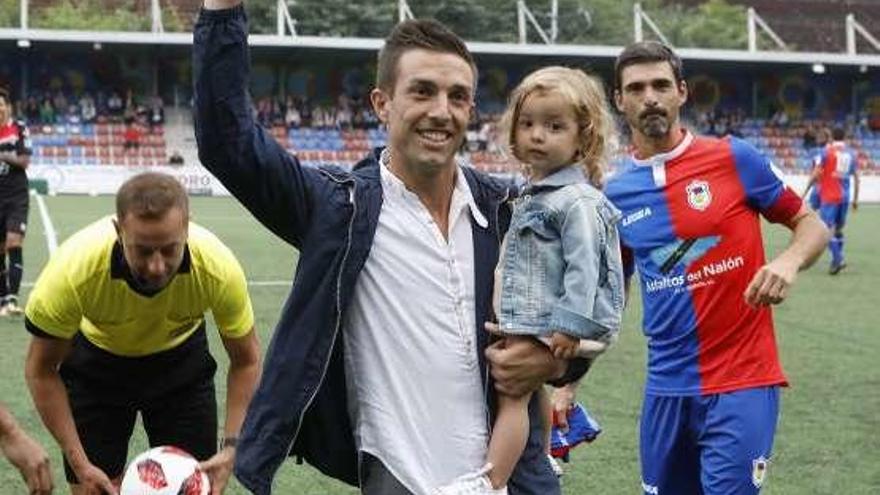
[
  {"x": 759, "y": 471},
  {"x": 699, "y": 195}
]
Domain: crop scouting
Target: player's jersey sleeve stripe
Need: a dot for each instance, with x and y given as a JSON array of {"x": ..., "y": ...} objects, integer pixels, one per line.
[
  {"x": 786, "y": 207},
  {"x": 37, "y": 331}
]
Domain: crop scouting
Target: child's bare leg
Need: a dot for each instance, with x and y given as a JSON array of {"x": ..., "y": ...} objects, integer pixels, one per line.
[
  {"x": 509, "y": 437},
  {"x": 546, "y": 416}
]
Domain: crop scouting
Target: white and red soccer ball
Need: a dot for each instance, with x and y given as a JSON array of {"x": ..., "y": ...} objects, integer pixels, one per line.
[{"x": 164, "y": 471}]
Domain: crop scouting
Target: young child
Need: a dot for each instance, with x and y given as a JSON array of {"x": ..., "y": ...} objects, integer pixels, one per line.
[{"x": 559, "y": 277}]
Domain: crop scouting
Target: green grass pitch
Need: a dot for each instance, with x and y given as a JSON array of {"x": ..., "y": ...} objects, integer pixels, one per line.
[{"x": 829, "y": 336}]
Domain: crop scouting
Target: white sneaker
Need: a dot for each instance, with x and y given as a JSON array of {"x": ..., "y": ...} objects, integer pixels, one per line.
[
  {"x": 3, "y": 310},
  {"x": 12, "y": 308},
  {"x": 476, "y": 483},
  {"x": 557, "y": 468}
]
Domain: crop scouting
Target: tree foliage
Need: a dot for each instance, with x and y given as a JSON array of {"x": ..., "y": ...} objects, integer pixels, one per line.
[
  {"x": 261, "y": 16},
  {"x": 710, "y": 24},
  {"x": 9, "y": 13},
  {"x": 90, "y": 15}
]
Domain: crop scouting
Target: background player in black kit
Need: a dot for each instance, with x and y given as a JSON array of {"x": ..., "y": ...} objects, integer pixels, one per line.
[{"x": 15, "y": 153}]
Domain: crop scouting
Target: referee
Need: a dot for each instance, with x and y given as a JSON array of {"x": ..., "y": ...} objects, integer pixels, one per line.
[
  {"x": 15, "y": 152},
  {"x": 117, "y": 318}
]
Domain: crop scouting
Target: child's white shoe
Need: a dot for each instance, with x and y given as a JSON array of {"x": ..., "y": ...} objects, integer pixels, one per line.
[
  {"x": 557, "y": 468},
  {"x": 476, "y": 483}
]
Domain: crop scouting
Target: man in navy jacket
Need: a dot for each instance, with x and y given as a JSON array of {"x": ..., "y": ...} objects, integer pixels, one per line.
[{"x": 311, "y": 400}]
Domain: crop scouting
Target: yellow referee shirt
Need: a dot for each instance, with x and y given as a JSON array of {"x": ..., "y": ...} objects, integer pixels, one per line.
[{"x": 83, "y": 289}]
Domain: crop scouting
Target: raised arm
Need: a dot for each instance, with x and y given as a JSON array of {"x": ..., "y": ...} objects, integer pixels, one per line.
[{"x": 248, "y": 161}]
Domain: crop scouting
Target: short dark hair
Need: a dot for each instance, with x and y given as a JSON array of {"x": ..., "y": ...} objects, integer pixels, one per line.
[
  {"x": 426, "y": 34},
  {"x": 150, "y": 196},
  {"x": 642, "y": 52},
  {"x": 838, "y": 134},
  {"x": 4, "y": 95}
]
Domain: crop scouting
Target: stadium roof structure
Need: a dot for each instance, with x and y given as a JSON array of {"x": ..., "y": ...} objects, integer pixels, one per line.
[{"x": 25, "y": 37}]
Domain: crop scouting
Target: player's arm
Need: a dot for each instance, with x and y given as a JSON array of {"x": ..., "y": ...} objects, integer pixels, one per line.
[
  {"x": 244, "y": 157},
  {"x": 855, "y": 198},
  {"x": 773, "y": 280},
  {"x": 45, "y": 355},
  {"x": 16, "y": 160},
  {"x": 25, "y": 454},
  {"x": 815, "y": 173}
]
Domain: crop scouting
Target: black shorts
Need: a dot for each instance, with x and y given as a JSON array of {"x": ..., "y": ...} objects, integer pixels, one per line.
[
  {"x": 14, "y": 214},
  {"x": 173, "y": 391}
]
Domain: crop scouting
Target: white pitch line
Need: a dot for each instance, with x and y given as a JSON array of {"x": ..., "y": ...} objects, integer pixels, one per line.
[
  {"x": 51, "y": 236},
  {"x": 270, "y": 283}
]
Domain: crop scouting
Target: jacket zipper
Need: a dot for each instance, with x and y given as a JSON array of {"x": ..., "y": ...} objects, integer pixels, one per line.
[{"x": 352, "y": 185}]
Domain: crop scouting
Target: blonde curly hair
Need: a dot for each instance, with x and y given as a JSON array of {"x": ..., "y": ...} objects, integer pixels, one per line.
[{"x": 586, "y": 94}]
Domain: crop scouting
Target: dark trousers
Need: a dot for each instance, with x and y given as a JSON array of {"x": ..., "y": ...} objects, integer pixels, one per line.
[{"x": 376, "y": 479}]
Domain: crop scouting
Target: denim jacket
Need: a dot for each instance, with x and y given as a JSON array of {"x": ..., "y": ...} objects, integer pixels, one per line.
[
  {"x": 300, "y": 407},
  {"x": 561, "y": 268}
]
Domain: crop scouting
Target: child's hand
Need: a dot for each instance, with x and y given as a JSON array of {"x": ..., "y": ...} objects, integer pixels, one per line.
[{"x": 564, "y": 346}]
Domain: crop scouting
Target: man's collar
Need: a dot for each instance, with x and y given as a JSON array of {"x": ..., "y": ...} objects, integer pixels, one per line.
[
  {"x": 119, "y": 269},
  {"x": 393, "y": 185},
  {"x": 572, "y": 174},
  {"x": 664, "y": 157}
]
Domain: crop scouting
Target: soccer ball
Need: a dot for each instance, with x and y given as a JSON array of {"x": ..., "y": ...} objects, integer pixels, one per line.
[{"x": 164, "y": 471}]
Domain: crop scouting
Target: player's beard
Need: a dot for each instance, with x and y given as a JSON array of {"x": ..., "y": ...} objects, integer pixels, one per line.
[{"x": 654, "y": 123}]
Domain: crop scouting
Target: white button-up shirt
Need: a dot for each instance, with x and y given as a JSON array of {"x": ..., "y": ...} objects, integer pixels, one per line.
[{"x": 415, "y": 390}]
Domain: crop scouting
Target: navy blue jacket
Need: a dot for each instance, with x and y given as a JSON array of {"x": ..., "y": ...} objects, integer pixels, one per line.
[{"x": 330, "y": 215}]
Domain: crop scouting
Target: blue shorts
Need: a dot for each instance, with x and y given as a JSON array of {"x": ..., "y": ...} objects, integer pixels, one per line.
[
  {"x": 708, "y": 445},
  {"x": 834, "y": 215},
  {"x": 814, "y": 199}
]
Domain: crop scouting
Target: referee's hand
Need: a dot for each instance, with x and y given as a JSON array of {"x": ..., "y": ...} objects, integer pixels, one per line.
[{"x": 219, "y": 468}]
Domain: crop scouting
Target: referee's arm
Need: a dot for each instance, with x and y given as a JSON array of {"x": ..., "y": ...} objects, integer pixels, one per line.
[{"x": 241, "y": 381}]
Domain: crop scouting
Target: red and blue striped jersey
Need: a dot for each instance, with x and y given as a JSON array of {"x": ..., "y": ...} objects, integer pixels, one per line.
[
  {"x": 838, "y": 163},
  {"x": 690, "y": 218}
]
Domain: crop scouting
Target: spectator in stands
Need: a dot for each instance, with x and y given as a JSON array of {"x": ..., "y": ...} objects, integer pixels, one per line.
[
  {"x": 780, "y": 118},
  {"x": 343, "y": 118},
  {"x": 156, "y": 113},
  {"x": 47, "y": 111},
  {"x": 132, "y": 135},
  {"x": 115, "y": 106},
  {"x": 371, "y": 121},
  {"x": 32, "y": 110},
  {"x": 176, "y": 158},
  {"x": 292, "y": 118},
  {"x": 59, "y": 103},
  {"x": 809, "y": 137},
  {"x": 306, "y": 113},
  {"x": 874, "y": 122},
  {"x": 87, "y": 109}
]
